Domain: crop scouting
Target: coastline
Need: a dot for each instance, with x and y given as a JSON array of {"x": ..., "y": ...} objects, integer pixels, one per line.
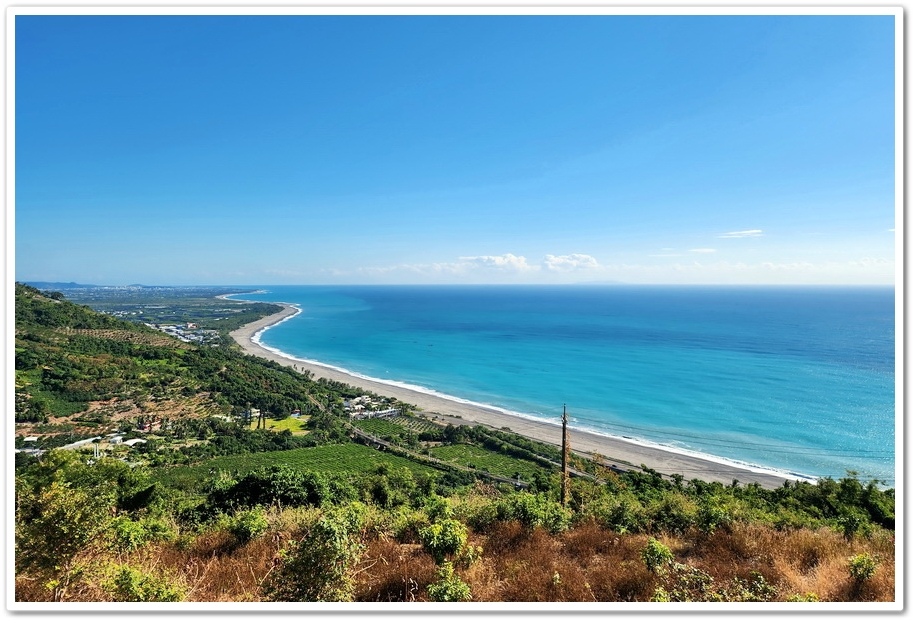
[{"x": 619, "y": 452}]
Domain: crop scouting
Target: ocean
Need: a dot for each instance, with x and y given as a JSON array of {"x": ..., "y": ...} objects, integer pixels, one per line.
[{"x": 798, "y": 380}]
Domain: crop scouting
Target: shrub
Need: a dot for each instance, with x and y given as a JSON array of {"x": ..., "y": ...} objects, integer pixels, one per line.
[
  {"x": 278, "y": 484},
  {"x": 862, "y": 567},
  {"x": 317, "y": 567},
  {"x": 535, "y": 510},
  {"x": 128, "y": 535},
  {"x": 656, "y": 555},
  {"x": 479, "y": 513},
  {"x": 450, "y": 587},
  {"x": 53, "y": 527},
  {"x": 407, "y": 524},
  {"x": 712, "y": 516},
  {"x": 806, "y": 598},
  {"x": 687, "y": 583},
  {"x": 129, "y": 584},
  {"x": 854, "y": 521},
  {"x": 674, "y": 512},
  {"x": 756, "y": 588},
  {"x": 626, "y": 515},
  {"x": 248, "y": 524},
  {"x": 444, "y": 539},
  {"x": 438, "y": 507}
]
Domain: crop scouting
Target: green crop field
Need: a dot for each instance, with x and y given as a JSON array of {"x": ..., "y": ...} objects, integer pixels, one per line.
[
  {"x": 482, "y": 459},
  {"x": 395, "y": 426},
  {"x": 417, "y": 425},
  {"x": 338, "y": 459},
  {"x": 380, "y": 427}
]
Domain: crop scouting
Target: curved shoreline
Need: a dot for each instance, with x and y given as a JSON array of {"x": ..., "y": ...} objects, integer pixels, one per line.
[{"x": 621, "y": 452}]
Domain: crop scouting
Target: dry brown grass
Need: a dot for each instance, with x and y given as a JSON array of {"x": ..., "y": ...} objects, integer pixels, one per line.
[
  {"x": 215, "y": 568},
  {"x": 587, "y": 563},
  {"x": 390, "y": 571}
]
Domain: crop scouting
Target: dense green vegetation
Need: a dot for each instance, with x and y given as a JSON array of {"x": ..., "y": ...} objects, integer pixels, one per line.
[
  {"x": 208, "y": 506},
  {"x": 335, "y": 459},
  {"x": 60, "y": 367}
]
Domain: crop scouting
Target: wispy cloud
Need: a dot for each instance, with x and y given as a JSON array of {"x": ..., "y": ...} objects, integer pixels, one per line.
[
  {"x": 746, "y": 233},
  {"x": 568, "y": 263},
  {"x": 702, "y": 250},
  {"x": 505, "y": 262}
]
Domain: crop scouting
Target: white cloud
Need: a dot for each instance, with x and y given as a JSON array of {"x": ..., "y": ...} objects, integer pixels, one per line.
[
  {"x": 505, "y": 262},
  {"x": 567, "y": 263},
  {"x": 702, "y": 250},
  {"x": 746, "y": 233},
  {"x": 870, "y": 262},
  {"x": 507, "y": 266}
]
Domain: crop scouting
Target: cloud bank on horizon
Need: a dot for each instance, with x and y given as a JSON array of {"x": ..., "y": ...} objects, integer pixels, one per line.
[{"x": 194, "y": 149}]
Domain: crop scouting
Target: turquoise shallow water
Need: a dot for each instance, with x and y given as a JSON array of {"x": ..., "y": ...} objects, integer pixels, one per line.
[{"x": 800, "y": 380}]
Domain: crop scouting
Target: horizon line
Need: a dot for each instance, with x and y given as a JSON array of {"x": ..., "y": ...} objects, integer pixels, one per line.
[{"x": 478, "y": 284}]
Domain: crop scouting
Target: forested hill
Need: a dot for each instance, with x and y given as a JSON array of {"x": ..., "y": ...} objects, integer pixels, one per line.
[
  {"x": 38, "y": 310},
  {"x": 79, "y": 369}
]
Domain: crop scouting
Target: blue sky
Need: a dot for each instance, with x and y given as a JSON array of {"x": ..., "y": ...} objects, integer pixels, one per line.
[{"x": 454, "y": 149}]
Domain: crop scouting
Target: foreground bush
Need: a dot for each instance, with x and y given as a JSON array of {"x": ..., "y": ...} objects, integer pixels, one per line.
[{"x": 317, "y": 567}]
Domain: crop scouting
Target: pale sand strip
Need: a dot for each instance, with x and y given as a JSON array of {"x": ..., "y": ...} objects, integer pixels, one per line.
[{"x": 617, "y": 451}]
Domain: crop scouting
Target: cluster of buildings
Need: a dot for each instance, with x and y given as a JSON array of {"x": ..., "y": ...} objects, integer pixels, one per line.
[
  {"x": 364, "y": 407},
  {"x": 187, "y": 332},
  {"x": 112, "y": 439}
]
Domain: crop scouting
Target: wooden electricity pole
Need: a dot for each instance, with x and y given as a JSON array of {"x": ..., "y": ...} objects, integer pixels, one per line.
[{"x": 565, "y": 463}]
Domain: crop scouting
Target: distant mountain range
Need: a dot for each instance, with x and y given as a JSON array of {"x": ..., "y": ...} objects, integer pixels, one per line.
[{"x": 58, "y": 285}]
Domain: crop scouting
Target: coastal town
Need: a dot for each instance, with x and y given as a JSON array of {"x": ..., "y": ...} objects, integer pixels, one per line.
[{"x": 188, "y": 332}]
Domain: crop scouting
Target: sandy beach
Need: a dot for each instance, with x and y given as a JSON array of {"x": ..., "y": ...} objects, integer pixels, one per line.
[{"x": 617, "y": 451}]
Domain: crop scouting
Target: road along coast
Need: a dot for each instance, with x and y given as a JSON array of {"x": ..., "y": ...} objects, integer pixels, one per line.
[{"x": 620, "y": 452}]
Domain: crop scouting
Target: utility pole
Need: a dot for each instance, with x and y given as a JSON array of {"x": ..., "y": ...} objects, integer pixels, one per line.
[{"x": 565, "y": 463}]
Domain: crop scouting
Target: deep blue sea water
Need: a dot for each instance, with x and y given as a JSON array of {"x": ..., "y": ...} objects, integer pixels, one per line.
[{"x": 799, "y": 380}]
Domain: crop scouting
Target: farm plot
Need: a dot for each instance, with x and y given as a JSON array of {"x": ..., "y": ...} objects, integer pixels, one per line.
[
  {"x": 397, "y": 425},
  {"x": 338, "y": 459},
  {"x": 380, "y": 427},
  {"x": 417, "y": 425},
  {"x": 480, "y": 458},
  {"x": 295, "y": 425}
]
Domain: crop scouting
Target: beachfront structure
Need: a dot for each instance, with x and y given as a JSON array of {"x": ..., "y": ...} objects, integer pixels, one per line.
[{"x": 363, "y": 415}]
